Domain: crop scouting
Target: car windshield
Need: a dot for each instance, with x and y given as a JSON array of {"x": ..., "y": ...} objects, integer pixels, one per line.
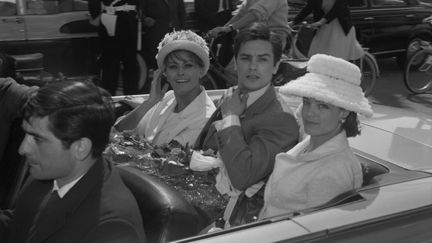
[{"x": 404, "y": 141}]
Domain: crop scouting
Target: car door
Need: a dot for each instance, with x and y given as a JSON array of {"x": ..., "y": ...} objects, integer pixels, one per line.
[
  {"x": 57, "y": 19},
  {"x": 392, "y": 20},
  {"x": 12, "y": 26},
  {"x": 61, "y": 30}
]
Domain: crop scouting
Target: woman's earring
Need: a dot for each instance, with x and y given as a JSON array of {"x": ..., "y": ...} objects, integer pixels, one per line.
[{"x": 342, "y": 121}]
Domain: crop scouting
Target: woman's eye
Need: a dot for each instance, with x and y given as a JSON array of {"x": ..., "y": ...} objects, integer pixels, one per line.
[
  {"x": 188, "y": 65},
  {"x": 323, "y": 106}
]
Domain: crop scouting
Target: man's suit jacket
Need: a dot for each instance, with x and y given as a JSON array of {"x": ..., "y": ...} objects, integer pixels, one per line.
[
  {"x": 99, "y": 208},
  {"x": 248, "y": 151},
  {"x": 339, "y": 10}
]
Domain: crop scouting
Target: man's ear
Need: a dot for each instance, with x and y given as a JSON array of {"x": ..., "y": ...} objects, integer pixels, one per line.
[{"x": 82, "y": 148}]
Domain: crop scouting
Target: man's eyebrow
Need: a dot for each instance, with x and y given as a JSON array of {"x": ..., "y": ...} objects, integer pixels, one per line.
[
  {"x": 32, "y": 133},
  {"x": 260, "y": 55}
]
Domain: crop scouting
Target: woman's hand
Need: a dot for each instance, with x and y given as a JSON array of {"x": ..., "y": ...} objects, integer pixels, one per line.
[
  {"x": 215, "y": 32},
  {"x": 157, "y": 92},
  {"x": 318, "y": 24}
]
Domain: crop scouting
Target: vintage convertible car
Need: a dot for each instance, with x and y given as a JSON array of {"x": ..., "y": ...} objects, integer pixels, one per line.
[{"x": 393, "y": 205}]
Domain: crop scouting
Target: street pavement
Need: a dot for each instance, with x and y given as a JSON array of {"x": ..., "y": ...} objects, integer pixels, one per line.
[{"x": 390, "y": 90}]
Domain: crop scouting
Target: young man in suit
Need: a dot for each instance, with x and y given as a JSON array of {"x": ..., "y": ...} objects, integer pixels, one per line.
[
  {"x": 252, "y": 123},
  {"x": 73, "y": 194}
]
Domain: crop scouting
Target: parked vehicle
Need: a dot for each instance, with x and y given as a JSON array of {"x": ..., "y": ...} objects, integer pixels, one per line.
[{"x": 58, "y": 29}]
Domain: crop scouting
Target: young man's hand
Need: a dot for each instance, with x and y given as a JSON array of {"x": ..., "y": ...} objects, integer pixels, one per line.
[{"x": 234, "y": 103}]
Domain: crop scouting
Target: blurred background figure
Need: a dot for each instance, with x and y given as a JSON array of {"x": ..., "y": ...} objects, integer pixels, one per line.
[
  {"x": 159, "y": 18},
  {"x": 335, "y": 35},
  {"x": 213, "y": 13},
  {"x": 118, "y": 32}
]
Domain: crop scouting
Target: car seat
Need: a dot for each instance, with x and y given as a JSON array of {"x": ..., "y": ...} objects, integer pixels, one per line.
[{"x": 166, "y": 214}]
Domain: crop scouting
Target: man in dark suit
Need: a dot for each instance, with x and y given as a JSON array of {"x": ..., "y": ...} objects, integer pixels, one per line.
[
  {"x": 252, "y": 123},
  {"x": 159, "y": 18},
  {"x": 73, "y": 194},
  {"x": 117, "y": 22}
]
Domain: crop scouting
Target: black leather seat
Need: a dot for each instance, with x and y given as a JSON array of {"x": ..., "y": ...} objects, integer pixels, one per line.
[
  {"x": 166, "y": 214},
  {"x": 371, "y": 170}
]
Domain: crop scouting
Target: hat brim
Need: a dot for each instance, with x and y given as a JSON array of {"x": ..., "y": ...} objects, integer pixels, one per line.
[
  {"x": 183, "y": 45},
  {"x": 321, "y": 87}
]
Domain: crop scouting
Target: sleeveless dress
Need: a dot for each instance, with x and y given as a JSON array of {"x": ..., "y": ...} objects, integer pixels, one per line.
[{"x": 331, "y": 39}]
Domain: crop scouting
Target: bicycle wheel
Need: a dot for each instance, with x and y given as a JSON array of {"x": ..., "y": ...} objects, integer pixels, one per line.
[
  {"x": 369, "y": 73},
  {"x": 418, "y": 72},
  {"x": 211, "y": 81}
]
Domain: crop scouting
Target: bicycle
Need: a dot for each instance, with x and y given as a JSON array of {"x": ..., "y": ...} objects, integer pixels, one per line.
[
  {"x": 217, "y": 77},
  {"x": 417, "y": 71},
  {"x": 293, "y": 65}
]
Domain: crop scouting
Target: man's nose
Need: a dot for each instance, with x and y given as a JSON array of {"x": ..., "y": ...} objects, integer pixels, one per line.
[
  {"x": 253, "y": 65},
  {"x": 23, "y": 148}
]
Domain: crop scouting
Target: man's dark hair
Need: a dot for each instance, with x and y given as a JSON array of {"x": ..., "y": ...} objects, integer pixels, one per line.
[
  {"x": 259, "y": 31},
  {"x": 75, "y": 109}
]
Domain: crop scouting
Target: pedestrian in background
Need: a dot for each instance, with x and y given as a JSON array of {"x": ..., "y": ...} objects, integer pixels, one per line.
[
  {"x": 159, "y": 18},
  {"x": 335, "y": 35},
  {"x": 117, "y": 22},
  {"x": 273, "y": 13}
]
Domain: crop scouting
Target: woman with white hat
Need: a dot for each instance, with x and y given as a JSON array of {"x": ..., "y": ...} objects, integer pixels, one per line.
[
  {"x": 180, "y": 114},
  {"x": 322, "y": 165}
]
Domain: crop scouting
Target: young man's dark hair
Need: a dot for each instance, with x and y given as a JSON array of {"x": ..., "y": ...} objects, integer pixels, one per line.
[
  {"x": 259, "y": 31},
  {"x": 75, "y": 109}
]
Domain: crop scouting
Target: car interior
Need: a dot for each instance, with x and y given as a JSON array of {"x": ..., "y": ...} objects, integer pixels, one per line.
[{"x": 166, "y": 214}]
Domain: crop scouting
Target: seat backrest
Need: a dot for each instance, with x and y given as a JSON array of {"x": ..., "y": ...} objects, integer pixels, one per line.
[
  {"x": 371, "y": 170},
  {"x": 166, "y": 214}
]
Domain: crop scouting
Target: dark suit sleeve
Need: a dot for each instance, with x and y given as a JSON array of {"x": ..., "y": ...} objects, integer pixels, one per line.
[
  {"x": 306, "y": 10},
  {"x": 248, "y": 163},
  {"x": 339, "y": 7},
  {"x": 94, "y": 7},
  {"x": 5, "y": 219},
  {"x": 181, "y": 14},
  {"x": 114, "y": 231}
]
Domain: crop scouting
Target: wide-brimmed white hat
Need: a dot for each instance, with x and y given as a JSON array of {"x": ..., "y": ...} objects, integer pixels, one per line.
[
  {"x": 331, "y": 80},
  {"x": 183, "y": 40}
]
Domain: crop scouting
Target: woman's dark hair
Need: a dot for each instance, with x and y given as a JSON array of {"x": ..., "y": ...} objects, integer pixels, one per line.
[
  {"x": 259, "y": 31},
  {"x": 351, "y": 125},
  {"x": 75, "y": 109},
  {"x": 175, "y": 55}
]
